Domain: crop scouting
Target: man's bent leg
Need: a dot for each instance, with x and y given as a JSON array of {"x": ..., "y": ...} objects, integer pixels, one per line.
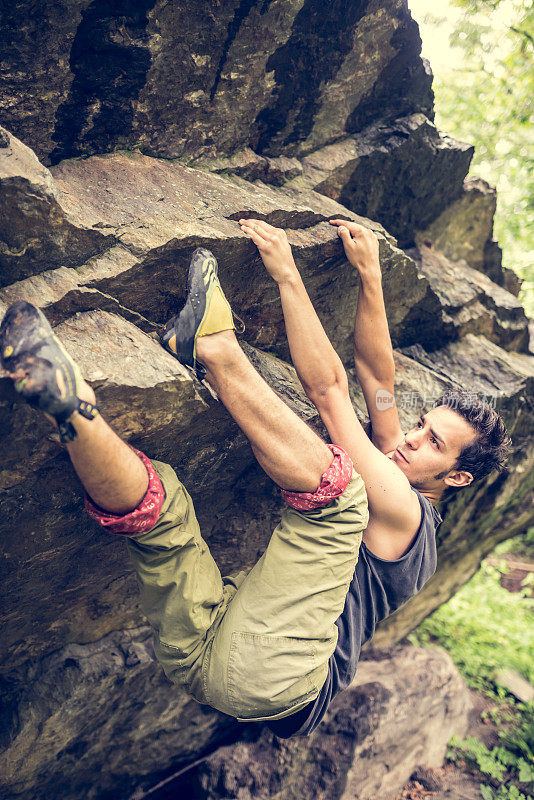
[
  {"x": 182, "y": 593},
  {"x": 48, "y": 378},
  {"x": 270, "y": 653},
  {"x": 285, "y": 446}
]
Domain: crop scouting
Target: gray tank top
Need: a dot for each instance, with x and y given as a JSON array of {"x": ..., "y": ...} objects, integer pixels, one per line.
[{"x": 378, "y": 588}]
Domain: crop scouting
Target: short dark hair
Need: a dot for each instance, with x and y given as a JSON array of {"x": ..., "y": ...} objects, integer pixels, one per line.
[{"x": 491, "y": 447}]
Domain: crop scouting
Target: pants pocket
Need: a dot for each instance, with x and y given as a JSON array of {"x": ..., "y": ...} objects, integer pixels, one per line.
[{"x": 270, "y": 675}]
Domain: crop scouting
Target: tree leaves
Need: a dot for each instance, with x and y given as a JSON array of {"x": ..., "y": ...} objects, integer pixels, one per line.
[{"x": 484, "y": 96}]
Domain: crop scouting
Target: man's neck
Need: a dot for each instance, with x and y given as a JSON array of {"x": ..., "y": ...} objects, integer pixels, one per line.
[{"x": 434, "y": 495}]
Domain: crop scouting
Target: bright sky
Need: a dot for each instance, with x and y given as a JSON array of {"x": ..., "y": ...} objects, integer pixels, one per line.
[{"x": 435, "y": 37}]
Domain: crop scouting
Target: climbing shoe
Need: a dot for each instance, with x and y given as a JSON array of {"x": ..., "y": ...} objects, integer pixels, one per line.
[
  {"x": 206, "y": 311},
  {"x": 41, "y": 369}
]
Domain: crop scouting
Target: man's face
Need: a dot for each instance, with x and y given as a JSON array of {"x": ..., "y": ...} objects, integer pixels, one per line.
[{"x": 432, "y": 446}]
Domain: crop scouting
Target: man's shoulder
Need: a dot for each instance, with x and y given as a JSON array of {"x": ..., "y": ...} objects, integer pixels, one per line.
[
  {"x": 400, "y": 507},
  {"x": 389, "y": 535},
  {"x": 391, "y": 543}
]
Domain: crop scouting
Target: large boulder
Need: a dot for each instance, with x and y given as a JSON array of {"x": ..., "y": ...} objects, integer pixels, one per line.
[
  {"x": 403, "y": 173},
  {"x": 294, "y": 112},
  {"x": 65, "y": 737},
  {"x": 188, "y": 80},
  {"x": 59, "y": 589},
  {"x": 403, "y": 706}
]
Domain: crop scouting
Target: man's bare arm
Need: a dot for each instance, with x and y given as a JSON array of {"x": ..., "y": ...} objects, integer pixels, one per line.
[
  {"x": 392, "y": 503},
  {"x": 318, "y": 366},
  {"x": 391, "y": 500},
  {"x": 373, "y": 351},
  {"x": 323, "y": 377}
]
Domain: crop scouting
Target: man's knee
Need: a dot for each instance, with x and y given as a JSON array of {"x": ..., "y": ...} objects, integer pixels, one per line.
[
  {"x": 142, "y": 518},
  {"x": 334, "y": 482}
]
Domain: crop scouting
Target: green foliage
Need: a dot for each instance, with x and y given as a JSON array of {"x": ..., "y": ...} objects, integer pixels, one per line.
[
  {"x": 517, "y": 735},
  {"x": 503, "y": 793},
  {"x": 484, "y": 627},
  {"x": 511, "y": 761},
  {"x": 485, "y": 97},
  {"x": 519, "y": 545},
  {"x": 472, "y": 749}
]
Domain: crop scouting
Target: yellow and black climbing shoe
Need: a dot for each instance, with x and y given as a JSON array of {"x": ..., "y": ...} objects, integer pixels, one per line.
[
  {"x": 206, "y": 311},
  {"x": 42, "y": 370}
]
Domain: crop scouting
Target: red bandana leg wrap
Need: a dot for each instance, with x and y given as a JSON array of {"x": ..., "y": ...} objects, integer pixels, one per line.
[
  {"x": 333, "y": 483},
  {"x": 142, "y": 518}
]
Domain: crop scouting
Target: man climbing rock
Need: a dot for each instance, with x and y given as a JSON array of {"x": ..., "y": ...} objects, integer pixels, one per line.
[{"x": 278, "y": 644}]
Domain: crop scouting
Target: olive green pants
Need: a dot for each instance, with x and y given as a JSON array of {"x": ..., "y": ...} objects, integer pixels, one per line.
[{"x": 255, "y": 646}]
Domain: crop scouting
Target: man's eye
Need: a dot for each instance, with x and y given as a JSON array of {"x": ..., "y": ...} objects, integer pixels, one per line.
[{"x": 435, "y": 442}]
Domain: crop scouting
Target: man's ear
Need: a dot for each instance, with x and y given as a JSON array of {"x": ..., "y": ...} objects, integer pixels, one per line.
[{"x": 458, "y": 478}]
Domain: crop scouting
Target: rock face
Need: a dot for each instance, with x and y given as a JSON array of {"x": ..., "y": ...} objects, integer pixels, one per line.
[
  {"x": 403, "y": 706},
  {"x": 273, "y": 109},
  {"x": 69, "y": 692},
  {"x": 373, "y": 173},
  {"x": 470, "y": 302},
  {"x": 281, "y": 76},
  {"x": 411, "y": 696},
  {"x": 463, "y": 229},
  {"x": 37, "y": 235},
  {"x": 464, "y": 232}
]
